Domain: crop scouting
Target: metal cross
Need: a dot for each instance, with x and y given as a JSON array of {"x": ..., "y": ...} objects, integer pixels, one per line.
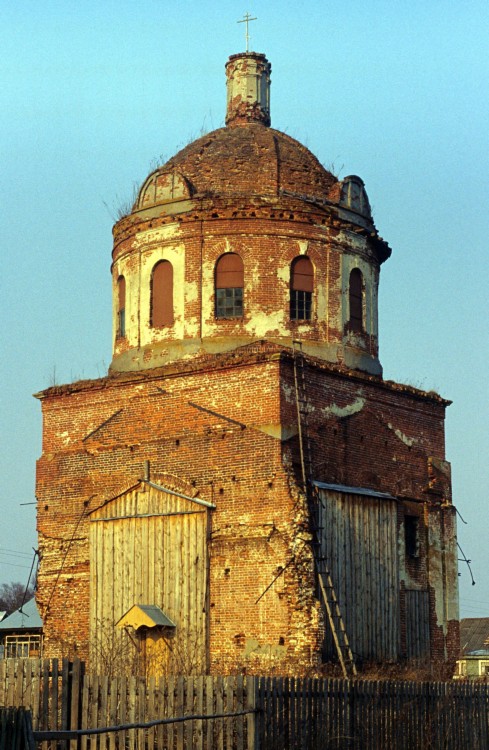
[{"x": 246, "y": 19}]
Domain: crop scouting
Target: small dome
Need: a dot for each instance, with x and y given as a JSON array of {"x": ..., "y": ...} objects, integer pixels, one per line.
[{"x": 250, "y": 159}]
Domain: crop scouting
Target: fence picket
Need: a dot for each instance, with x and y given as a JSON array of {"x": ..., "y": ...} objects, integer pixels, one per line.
[
  {"x": 209, "y": 709},
  {"x": 113, "y": 697}
]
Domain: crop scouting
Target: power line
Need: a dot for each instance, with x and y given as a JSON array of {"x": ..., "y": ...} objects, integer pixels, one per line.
[
  {"x": 15, "y": 552},
  {"x": 15, "y": 565}
]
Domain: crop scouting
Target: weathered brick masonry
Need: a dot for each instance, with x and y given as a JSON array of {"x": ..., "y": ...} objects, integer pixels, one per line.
[{"x": 203, "y": 407}]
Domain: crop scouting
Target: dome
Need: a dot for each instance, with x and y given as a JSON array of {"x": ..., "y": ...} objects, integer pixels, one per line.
[
  {"x": 244, "y": 236},
  {"x": 251, "y": 160}
]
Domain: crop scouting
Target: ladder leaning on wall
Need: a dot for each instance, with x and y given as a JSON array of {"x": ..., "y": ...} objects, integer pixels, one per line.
[{"x": 325, "y": 581}]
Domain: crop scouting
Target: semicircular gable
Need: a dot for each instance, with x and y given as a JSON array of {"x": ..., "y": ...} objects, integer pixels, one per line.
[{"x": 162, "y": 187}]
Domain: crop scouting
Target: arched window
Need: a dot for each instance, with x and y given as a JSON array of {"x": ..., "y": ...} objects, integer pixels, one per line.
[
  {"x": 301, "y": 287},
  {"x": 229, "y": 283},
  {"x": 121, "y": 307},
  {"x": 162, "y": 294},
  {"x": 356, "y": 300}
]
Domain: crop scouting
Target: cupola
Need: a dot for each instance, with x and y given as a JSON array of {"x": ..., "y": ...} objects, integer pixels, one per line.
[{"x": 243, "y": 236}]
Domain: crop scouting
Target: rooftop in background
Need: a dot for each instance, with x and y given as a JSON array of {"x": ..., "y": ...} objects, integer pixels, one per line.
[
  {"x": 25, "y": 618},
  {"x": 474, "y": 636}
]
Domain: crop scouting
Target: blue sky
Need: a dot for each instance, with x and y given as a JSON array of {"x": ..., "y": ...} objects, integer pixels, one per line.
[{"x": 94, "y": 93}]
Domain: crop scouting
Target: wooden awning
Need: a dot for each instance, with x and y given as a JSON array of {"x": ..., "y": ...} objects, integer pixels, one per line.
[{"x": 145, "y": 616}]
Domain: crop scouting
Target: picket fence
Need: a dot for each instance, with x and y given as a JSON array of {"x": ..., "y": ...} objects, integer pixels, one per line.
[{"x": 71, "y": 710}]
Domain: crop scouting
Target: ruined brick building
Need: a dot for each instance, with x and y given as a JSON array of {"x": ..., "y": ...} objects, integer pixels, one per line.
[{"x": 244, "y": 439}]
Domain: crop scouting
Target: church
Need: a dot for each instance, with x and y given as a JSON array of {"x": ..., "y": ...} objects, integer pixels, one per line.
[{"x": 243, "y": 491}]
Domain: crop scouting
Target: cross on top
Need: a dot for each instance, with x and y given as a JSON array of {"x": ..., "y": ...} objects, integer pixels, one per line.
[{"x": 246, "y": 19}]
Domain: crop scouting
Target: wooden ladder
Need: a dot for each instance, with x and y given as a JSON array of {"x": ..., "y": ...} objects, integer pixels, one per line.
[{"x": 325, "y": 581}]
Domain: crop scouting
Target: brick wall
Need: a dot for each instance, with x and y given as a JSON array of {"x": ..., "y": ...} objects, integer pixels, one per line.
[{"x": 225, "y": 428}]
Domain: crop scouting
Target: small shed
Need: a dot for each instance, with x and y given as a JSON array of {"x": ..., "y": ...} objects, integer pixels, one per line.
[{"x": 21, "y": 633}]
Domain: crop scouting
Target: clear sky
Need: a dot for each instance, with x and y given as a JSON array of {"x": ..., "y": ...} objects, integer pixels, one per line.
[{"x": 92, "y": 94}]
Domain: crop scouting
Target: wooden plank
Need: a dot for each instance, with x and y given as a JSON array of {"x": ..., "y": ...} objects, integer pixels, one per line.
[
  {"x": 152, "y": 710},
  {"x": 209, "y": 709},
  {"x": 292, "y": 710},
  {"x": 85, "y": 709},
  {"x": 219, "y": 723},
  {"x": 27, "y": 686},
  {"x": 131, "y": 710},
  {"x": 93, "y": 717},
  {"x": 75, "y": 699},
  {"x": 179, "y": 711},
  {"x": 141, "y": 710},
  {"x": 11, "y": 676},
  {"x": 113, "y": 690},
  {"x": 229, "y": 708},
  {"x": 64, "y": 689},
  {"x": 188, "y": 711},
  {"x": 123, "y": 710},
  {"x": 19, "y": 683},
  {"x": 53, "y": 691},
  {"x": 239, "y": 706},
  {"x": 250, "y": 702},
  {"x": 103, "y": 718},
  {"x": 45, "y": 698},
  {"x": 171, "y": 709},
  {"x": 198, "y": 739},
  {"x": 162, "y": 712}
]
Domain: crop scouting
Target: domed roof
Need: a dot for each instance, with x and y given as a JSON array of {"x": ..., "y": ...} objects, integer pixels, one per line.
[
  {"x": 248, "y": 159},
  {"x": 245, "y": 158}
]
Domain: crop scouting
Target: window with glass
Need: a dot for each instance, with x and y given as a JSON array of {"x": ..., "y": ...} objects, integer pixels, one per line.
[
  {"x": 22, "y": 646},
  {"x": 301, "y": 288},
  {"x": 229, "y": 284}
]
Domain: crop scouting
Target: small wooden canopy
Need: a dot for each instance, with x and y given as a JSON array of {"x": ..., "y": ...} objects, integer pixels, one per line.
[{"x": 145, "y": 616}]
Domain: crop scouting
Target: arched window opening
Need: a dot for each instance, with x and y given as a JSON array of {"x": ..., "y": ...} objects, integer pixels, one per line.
[
  {"x": 301, "y": 288},
  {"x": 356, "y": 300},
  {"x": 162, "y": 294},
  {"x": 229, "y": 281},
  {"x": 121, "y": 307}
]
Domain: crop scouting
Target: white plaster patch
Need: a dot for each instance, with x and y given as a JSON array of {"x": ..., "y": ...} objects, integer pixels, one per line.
[
  {"x": 402, "y": 437},
  {"x": 65, "y": 437},
  {"x": 166, "y": 232},
  {"x": 283, "y": 273},
  {"x": 344, "y": 411},
  {"x": 191, "y": 291},
  {"x": 262, "y": 323}
]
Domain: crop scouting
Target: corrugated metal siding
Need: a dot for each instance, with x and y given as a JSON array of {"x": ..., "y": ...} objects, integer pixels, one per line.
[
  {"x": 359, "y": 542},
  {"x": 417, "y": 624},
  {"x": 149, "y": 547}
]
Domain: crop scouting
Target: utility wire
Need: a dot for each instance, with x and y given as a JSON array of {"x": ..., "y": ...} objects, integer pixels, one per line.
[
  {"x": 28, "y": 580},
  {"x": 63, "y": 561},
  {"x": 464, "y": 559}
]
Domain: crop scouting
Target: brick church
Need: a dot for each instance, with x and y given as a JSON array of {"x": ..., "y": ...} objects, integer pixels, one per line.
[{"x": 244, "y": 467}]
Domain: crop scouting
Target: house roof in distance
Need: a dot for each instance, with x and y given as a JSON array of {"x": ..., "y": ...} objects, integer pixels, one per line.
[
  {"x": 26, "y": 617},
  {"x": 474, "y": 635}
]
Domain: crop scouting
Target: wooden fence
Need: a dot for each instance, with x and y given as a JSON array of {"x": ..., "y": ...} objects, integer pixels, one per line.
[
  {"x": 16, "y": 729},
  {"x": 332, "y": 714},
  {"x": 242, "y": 712}
]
